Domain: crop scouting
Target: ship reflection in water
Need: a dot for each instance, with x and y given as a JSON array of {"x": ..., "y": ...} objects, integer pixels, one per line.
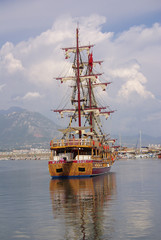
[{"x": 81, "y": 205}]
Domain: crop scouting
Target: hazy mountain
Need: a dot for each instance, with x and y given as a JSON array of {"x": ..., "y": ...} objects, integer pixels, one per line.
[
  {"x": 19, "y": 128},
  {"x": 11, "y": 109},
  {"x": 135, "y": 141}
]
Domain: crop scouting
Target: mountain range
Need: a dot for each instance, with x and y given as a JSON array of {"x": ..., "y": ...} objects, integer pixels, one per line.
[{"x": 20, "y": 128}]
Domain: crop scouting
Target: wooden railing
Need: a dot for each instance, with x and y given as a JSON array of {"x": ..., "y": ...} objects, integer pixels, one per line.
[
  {"x": 71, "y": 142},
  {"x": 81, "y": 142}
]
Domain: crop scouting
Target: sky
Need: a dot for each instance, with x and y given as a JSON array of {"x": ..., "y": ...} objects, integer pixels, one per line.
[{"x": 127, "y": 37}]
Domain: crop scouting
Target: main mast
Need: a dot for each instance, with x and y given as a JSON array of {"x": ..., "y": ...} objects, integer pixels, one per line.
[
  {"x": 90, "y": 63},
  {"x": 78, "y": 80}
]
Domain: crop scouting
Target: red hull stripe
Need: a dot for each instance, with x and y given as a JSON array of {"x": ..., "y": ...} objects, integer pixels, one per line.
[{"x": 96, "y": 171}]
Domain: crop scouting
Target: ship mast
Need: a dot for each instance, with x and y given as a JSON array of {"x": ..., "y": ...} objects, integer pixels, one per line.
[
  {"x": 78, "y": 80},
  {"x": 85, "y": 109},
  {"x": 90, "y": 63}
]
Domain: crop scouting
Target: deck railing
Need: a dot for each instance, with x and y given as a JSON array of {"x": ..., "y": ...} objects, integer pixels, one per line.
[
  {"x": 81, "y": 142},
  {"x": 71, "y": 142}
]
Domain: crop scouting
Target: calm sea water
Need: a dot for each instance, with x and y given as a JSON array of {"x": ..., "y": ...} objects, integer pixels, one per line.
[{"x": 124, "y": 204}]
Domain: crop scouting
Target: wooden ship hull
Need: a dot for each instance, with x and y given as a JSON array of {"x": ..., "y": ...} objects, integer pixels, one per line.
[
  {"x": 79, "y": 158},
  {"x": 77, "y": 169},
  {"x": 87, "y": 168}
]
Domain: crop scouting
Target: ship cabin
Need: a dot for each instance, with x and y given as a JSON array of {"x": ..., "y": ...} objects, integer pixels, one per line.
[{"x": 81, "y": 149}]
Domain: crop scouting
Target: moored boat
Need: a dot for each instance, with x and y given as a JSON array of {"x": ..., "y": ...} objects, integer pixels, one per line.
[
  {"x": 84, "y": 150},
  {"x": 159, "y": 155}
]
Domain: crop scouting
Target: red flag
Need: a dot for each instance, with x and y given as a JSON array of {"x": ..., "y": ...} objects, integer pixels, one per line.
[{"x": 90, "y": 61}]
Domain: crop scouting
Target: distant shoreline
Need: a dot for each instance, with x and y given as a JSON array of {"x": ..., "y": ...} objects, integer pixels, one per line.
[{"x": 25, "y": 156}]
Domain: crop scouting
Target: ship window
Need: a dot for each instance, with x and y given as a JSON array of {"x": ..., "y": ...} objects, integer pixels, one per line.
[
  {"x": 81, "y": 169},
  {"x": 59, "y": 170}
]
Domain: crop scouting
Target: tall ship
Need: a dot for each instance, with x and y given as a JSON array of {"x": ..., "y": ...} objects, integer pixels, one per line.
[{"x": 83, "y": 150}]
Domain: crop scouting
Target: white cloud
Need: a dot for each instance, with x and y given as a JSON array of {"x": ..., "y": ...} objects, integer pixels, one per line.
[
  {"x": 32, "y": 95},
  {"x": 140, "y": 36},
  {"x": 134, "y": 86},
  {"x": 131, "y": 61},
  {"x": 134, "y": 82},
  {"x": 29, "y": 96},
  {"x": 2, "y": 86},
  {"x": 6, "y": 48},
  {"x": 11, "y": 64}
]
